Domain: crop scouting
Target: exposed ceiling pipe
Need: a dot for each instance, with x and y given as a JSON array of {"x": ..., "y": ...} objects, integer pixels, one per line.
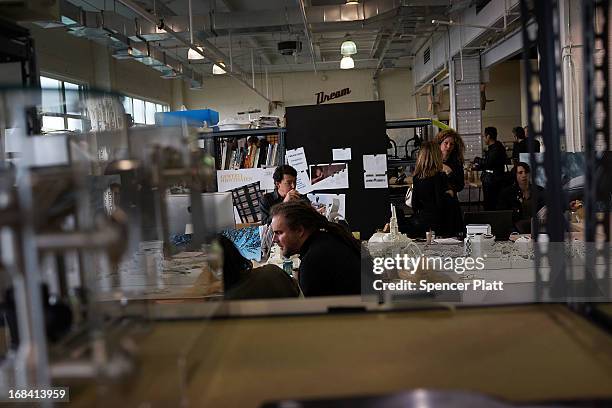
[
  {"x": 379, "y": 65},
  {"x": 211, "y": 52},
  {"x": 308, "y": 34},
  {"x": 252, "y": 42}
]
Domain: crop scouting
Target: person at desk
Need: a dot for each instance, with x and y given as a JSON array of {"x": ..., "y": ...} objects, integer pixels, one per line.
[
  {"x": 242, "y": 281},
  {"x": 330, "y": 261},
  {"x": 284, "y": 191},
  {"x": 493, "y": 166},
  {"x": 452, "y": 148},
  {"x": 519, "y": 198}
]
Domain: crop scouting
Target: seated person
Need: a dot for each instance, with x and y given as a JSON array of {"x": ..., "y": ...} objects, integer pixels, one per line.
[
  {"x": 518, "y": 198},
  {"x": 330, "y": 256},
  {"x": 284, "y": 190},
  {"x": 432, "y": 197},
  {"x": 242, "y": 281}
]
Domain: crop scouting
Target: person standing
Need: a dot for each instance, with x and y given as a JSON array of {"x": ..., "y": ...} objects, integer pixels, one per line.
[
  {"x": 452, "y": 149},
  {"x": 521, "y": 144},
  {"x": 492, "y": 166}
]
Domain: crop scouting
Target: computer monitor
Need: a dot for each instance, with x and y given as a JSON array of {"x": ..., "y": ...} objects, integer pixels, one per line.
[
  {"x": 500, "y": 221},
  {"x": 218, "y": 212}
]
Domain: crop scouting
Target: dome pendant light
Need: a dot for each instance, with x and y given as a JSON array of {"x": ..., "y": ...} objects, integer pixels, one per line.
[
  {"x": 194, "y": 55},
  {"x": 218, "y": 69},
  {"x": 348, "y": 47},
  {"x": 350, "y": 2},
  {"x": 347, "y": 63}
]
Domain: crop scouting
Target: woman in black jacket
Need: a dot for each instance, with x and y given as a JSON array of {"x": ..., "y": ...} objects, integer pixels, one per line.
[
  {"x": 431, "y": 193},
  {"x": 452, "y": 149}
]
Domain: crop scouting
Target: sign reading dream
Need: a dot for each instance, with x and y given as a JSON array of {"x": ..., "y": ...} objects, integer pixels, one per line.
[{"x": 322, "y": 97}]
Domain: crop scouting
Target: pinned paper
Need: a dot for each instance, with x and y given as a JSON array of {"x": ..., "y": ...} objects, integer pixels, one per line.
[
  {"x": 302, "y": 183},
  {"x": 296, "y": 158},
  {"x": 329, "y": 176},
  {"x": 375, "y": 171},
  {"x": 334, "y": 204},
  {"x": 342, "y": 154}
]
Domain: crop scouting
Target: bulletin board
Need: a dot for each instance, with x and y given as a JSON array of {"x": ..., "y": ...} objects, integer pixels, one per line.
[{"x": 358, "y": 125}]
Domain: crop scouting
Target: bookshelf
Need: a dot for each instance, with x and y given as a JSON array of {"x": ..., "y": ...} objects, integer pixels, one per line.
[{"x": 246, "y": 148}]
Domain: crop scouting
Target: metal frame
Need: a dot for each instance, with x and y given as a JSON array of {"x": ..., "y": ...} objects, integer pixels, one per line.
[
  {"x": 596, "y": 35},
  {"x": 546, "y": 38}
]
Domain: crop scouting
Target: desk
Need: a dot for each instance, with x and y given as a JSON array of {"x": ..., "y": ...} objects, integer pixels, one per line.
[{"x": 522, "y": 353}]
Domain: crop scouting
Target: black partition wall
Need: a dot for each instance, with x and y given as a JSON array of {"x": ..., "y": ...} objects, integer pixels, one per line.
[{"x": 358, "y": 125}]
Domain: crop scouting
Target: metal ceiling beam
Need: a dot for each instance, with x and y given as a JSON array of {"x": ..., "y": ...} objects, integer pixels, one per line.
[
  {"x": 381, "y": 58},
  {"x": 210, "y": 51},
  {"x": 252, "y": 41},
  {"x": 308, "y": 34}
]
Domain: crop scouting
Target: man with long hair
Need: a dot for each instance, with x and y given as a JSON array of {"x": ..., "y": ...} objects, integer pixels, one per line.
[{"x": 330, "y": 256}]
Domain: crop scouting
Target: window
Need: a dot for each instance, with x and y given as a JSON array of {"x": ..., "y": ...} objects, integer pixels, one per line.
[
  {"x": 61, "y": 105},
  {"x": 143, "y": 112}
]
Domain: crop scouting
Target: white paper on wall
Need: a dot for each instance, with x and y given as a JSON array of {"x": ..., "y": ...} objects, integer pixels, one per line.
[
  {"x": 329, "y": 176},
  {"x": 375, "y": 171},
  {"x": 342, "y": 154},
  {"x": 296, "y": 158},
  {"x": 230, "y": 179},
  {"x": 331, "y": 202},
  {"x": 302, "y": 183}
]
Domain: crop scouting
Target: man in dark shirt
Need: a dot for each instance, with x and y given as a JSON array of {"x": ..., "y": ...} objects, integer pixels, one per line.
[
  {"x": 493, "y": 167},
  {"x": 330, "y": 256},
  {"x": 284, "y": 190},
  {"x": 521, "y": 144}
]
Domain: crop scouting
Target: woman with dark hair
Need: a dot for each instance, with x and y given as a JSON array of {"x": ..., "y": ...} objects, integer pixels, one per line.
[
  {"x": 519, "y": 198},
  {"x": 452, "y": 149},
  {"x": 242, "y": 281},
  {"x": 330, "y": 256}
]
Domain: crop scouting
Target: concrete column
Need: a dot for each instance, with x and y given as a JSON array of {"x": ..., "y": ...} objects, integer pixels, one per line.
[
  {"x": 103, "y": 68},
  {"x": 178, "y": 87},
  {"x": 468, "y": 105}
]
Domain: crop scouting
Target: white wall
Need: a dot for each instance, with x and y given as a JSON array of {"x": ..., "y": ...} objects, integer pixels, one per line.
[
  {"x": 65, "y": 56},
  {"x": 505, "y": 88},
  {"x": 228, "y": 96}
]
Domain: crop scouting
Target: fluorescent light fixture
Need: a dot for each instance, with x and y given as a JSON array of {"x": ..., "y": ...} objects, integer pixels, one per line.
[
  {"x": 194, "y": 55},
  {"x": 347, "y": 63},
  {"x": 349, "y": 2},
  {"x": 218, "y": 69},
  {"x": 348, "y": 47}
]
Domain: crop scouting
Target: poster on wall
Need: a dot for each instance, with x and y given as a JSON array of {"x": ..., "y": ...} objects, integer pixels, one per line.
[
  {"x": 329, "y": 176},
  {"x": 375, "y": 171},
  {"x": 329, "y": 205},
  {"x": 296, "y": 158},
  {"x": 230, "y": 179},
  {"x": 341, "y": 154},
  {"x": 302, "y": 182}
]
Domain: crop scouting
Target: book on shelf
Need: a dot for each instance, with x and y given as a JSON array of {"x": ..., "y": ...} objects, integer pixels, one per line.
[{"x": 254, "y": 152}]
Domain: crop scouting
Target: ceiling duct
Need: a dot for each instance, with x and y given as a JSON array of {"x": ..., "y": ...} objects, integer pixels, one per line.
[
  {"x": 68, "y": 15},
  {"x": 289, "y": 47}
]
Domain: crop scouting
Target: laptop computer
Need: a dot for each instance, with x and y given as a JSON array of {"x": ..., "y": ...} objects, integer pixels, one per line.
[{"x": 500, "y": 221}]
